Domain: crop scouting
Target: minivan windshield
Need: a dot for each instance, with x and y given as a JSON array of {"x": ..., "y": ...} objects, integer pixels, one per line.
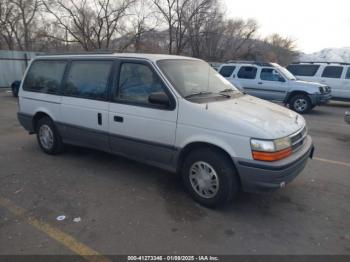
[
  {"x": 194, "y": 78},
  {"x": 286, "y": 73}
]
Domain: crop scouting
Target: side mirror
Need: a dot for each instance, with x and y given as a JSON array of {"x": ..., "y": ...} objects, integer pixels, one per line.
[{"x": 159, "y": 98}]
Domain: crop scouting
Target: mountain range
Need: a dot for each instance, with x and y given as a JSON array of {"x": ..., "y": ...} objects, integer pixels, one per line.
[{"x": 328, "y": 55}]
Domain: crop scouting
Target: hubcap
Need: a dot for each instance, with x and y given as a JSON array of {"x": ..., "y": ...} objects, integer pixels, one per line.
[
  {"x": 204, "y": 179},
  {"x": 46, "y": 137},
  {"x": 300, "y": 104}
]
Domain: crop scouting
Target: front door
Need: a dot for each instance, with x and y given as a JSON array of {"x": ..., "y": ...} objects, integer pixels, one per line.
[
  {"x": 138, "y": 128},
  {"x": 272, "y": 85}
]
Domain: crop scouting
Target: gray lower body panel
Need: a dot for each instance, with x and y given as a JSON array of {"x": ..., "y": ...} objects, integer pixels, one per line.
[
  {"x": 26, "y": 121},
  {"x": 163, "y": 156},
  {"x": 152, "y": 153},
  {"x": 259, "y": 176},
  {"x": 84, "y": 137}
]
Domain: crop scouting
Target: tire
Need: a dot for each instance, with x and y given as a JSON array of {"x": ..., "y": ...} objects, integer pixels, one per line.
[
  {"x": 48, "y": 136},
  {"x": 300, "y": 103},
  {"x": 14, "y": 92},
  {"x": 222, "y": 171},
  {"x": 15, "y": 88}
]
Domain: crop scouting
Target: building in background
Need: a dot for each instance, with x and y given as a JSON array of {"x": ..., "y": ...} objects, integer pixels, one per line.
[{"x": 12, "y": 65}]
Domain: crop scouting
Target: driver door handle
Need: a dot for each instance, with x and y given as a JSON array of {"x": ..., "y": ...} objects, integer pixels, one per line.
[
  {"x": 260, "y": 83},
  {"x": 118, "y": 119}
]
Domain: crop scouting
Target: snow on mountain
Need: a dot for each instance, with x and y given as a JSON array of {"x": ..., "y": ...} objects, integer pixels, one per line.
[{"x": 328, "y": 55}]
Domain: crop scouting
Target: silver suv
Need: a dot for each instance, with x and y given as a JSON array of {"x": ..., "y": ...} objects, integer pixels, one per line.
[{"x": 273, "y": 82}]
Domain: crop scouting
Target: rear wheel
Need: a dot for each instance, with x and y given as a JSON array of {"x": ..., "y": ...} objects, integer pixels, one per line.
[
  {"x": 48, "y": 136},
  {"x": 300, "y": 103},
  {"x": 210, "y": 177}
]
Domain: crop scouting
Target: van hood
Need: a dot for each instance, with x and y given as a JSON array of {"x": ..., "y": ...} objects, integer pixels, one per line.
[
  {"x": 301, "y": 83},
  {"x": 269, "y": 119}
]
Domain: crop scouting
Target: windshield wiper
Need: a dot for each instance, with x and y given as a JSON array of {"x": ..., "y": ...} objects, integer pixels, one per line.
[
  {"x": 227, "y": 90},
  {"x": 198, "y": 94}
]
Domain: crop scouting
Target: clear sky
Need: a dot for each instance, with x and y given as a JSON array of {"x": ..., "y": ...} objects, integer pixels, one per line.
[{"x": 314, "y": 24}]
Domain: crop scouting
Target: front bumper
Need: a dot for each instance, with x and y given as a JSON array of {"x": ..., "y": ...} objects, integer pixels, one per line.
[
  {"x": 320, "y": 99},
  {"x": 259, "y": 176}
]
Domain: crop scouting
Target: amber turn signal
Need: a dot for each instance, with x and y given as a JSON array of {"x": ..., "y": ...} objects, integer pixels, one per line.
[{"x": 272, "y": 156}]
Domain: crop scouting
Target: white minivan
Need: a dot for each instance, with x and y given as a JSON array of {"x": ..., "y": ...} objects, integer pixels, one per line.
[{"x": 172, "y": 112}]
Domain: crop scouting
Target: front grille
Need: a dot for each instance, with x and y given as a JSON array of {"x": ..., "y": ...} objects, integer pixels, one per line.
[{"x": 298, "y": 139}]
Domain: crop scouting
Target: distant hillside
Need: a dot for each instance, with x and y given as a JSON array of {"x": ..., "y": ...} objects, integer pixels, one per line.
[{"x": 328, "y": 55}]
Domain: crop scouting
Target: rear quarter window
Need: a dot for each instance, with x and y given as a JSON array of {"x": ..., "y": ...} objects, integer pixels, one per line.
[
  {"x": 332, "y": 71},
  {"x": 303, "y": 70},
  {"x": 45, "y": 76}
]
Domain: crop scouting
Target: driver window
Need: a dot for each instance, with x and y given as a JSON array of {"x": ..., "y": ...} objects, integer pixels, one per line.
[
  {"x": 137, "y": 82},
  {"x": 269, "y": 74}
]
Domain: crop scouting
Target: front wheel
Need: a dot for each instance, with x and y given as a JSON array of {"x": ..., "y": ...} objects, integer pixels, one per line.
[
  {"x": 210, "y": 177},
  {"x": 300, "y": 103}
]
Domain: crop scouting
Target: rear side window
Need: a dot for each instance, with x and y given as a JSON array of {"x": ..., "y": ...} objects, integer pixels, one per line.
[
  {"x": 303, "y": 70},
  {"x": 332, "y": 71},
  {"x": 226, "y": 71},
  {"x": 45, "y": 76},
  {"x": 88, "y": 79},
  {"x": 347, "y": 76},
  {"x": 247, "y": 72}
]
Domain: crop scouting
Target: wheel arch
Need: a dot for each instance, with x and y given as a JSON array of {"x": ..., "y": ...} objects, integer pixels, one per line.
[
  {"x": 199, "y": 144},
  {"x": 196, "y": 145},
  {"x": 39, "y": 115},
  {"x": 293, "y": 93}
]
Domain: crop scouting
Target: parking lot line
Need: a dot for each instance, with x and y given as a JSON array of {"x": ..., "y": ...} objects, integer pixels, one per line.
[
  {"x": 332, "y": 161},
  {"x": 65, "y": 239}
]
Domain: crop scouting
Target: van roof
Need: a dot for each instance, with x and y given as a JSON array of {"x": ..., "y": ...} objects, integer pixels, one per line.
[{"x": 151, "y": 57}]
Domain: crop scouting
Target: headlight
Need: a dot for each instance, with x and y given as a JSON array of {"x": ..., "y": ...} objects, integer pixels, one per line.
[
  {"x": 270, "y": 145},
  {"x": 282, "y": 143},
  {"x": 262, "y": 145},
  {"x": 322, "y": 90},
  {"x": 271, "y": 150}
]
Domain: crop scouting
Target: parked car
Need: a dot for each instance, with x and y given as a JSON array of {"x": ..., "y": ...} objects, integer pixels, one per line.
[
  {"x": 173, "y": 112},
  {"x": 272, "y": 82},
  {"x": 347, "y": 117},
  {"x": 332, "y": 74},
  {"x": 15, "y": 87}
]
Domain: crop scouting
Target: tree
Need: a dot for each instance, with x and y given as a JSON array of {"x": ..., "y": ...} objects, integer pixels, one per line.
[
  {"x": 25, "y": 10},
  {"x": 8, "y": 23},
  {"x": 282, "y": 49},
  {"x": 93, "y": 24},
  {"x": 178, "y": 15},
  {"x": 141, "y": 21}
]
